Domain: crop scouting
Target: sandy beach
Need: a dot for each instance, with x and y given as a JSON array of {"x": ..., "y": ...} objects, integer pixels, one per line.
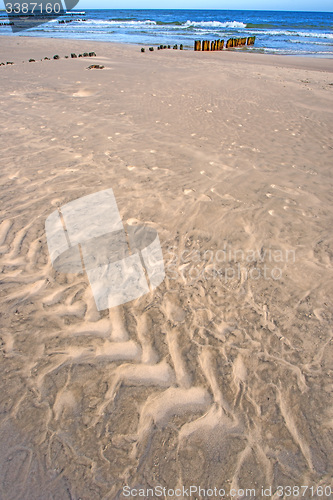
[{"x": 220, "y": 378}]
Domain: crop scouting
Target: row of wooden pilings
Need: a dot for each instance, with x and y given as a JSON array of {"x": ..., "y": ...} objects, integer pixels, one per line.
[{"x": 219, "y": 44}]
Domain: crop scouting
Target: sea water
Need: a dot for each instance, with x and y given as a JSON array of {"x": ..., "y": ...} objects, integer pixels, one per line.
[{"x": 293, "y": 33}]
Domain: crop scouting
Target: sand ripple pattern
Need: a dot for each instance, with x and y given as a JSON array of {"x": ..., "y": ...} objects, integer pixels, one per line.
[{"x": 154, "y": 390}]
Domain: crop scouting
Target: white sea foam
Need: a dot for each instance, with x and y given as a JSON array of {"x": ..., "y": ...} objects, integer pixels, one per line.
[
  {"x": 204, "y": 27},
  {"x": 313, "y": 35},
  {"x": 148, "y": 22},
  {"x": 291, "y": 52},
  {"x": 216, "y": 24},
  {"x": 118, "y": 23},
  {"x": 290, "y": 33}
]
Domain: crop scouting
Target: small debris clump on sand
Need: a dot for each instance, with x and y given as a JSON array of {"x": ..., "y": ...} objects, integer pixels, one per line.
[{"x": 95, "y": 66}]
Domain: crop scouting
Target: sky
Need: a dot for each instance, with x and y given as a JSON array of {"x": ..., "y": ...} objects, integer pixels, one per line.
[{"x": 301, "y": 5}]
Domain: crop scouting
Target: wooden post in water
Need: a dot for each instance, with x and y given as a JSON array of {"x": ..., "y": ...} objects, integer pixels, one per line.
[
  {"x": 251, "y": 40},
  {"x": 205, "y": 45}
]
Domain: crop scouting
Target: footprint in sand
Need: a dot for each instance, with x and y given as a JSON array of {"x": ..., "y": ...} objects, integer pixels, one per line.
[
  {"x": 285, "y": 189},
  {"x": 133, "y": 222},
  {"x": 204, "y": 197},
  {"x": 83, "y": 93}
]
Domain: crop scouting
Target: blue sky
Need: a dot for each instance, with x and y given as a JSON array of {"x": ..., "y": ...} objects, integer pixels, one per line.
[{"x": 303, "y": 5}]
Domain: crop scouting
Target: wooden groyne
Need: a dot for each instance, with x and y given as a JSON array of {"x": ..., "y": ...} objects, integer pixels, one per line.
[
  {"x": 206, "y": 45},
  {"x": 210, "y": 45}
]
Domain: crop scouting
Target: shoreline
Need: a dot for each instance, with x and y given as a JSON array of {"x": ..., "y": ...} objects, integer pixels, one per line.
[{"x": 292, "y": 61}]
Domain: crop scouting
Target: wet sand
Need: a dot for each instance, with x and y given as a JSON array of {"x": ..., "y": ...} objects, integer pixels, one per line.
[{"x": 221, "y": 377}]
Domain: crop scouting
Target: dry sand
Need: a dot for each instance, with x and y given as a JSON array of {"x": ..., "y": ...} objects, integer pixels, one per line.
[{"x": 211, "y": 381}]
